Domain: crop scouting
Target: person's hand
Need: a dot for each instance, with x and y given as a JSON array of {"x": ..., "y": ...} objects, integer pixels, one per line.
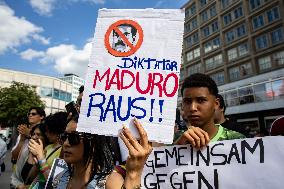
[
  {"x": 36, "y": 148},
  {"x": 195, "y": 136},
  {"x": 24, "y": 130},
  {"x": 138, "y": 154}
]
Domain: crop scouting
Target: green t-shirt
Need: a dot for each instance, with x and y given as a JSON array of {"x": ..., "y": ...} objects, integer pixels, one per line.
[
  {"x": 226, "y": 134},
  {"x": 222, "y": 134}
]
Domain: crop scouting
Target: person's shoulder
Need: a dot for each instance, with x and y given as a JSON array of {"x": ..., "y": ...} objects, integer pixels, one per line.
[{"x": 230, "y": 134}]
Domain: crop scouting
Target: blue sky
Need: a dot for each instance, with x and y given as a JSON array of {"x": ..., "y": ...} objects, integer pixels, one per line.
[{"x": 52, "y": 37}]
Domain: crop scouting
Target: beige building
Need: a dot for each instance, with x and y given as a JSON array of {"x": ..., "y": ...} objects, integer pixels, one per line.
[
  {"x": 53, "y": 91},
  {"x": 240, "y": 44}
]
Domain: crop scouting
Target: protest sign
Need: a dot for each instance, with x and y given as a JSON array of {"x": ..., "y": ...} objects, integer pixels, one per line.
[
  {"x": 133, "y": 72},
  {"x": 241, "y": 164},
  {"x": 58, "y": 167}
]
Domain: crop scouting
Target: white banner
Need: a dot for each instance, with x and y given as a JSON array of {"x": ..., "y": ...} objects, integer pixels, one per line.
[
  {"x": 241, "y": 164},
  {"x": 134, "y": 72}
]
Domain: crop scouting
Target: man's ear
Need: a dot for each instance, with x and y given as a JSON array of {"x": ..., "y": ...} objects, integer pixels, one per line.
[
  {"x": 217, "y": 103},
  {"x": 42, "y": 118}
]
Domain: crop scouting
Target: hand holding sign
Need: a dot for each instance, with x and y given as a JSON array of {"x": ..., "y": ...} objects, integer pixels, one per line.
[
  {"x": 138, "y": 154},
  {"x": 197, "y": 137}
]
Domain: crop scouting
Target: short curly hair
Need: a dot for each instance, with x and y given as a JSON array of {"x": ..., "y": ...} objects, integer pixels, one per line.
[{"x": 200, "y": 80}]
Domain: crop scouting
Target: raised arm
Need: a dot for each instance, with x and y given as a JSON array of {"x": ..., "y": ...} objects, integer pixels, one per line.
[{"x": 138, "y": 154}]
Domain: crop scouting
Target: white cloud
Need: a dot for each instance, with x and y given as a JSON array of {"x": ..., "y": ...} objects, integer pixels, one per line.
[
  {"x": 31, "y": 54},
  {"x": 66, "y": 58},
  {"x": 41, "y": 39},
  {"x": 15, "y": 31},
  {"x": 43, "y": 7}
]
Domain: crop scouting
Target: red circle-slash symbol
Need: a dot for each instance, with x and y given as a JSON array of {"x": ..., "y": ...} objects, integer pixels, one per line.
[{"x": 130, "y": 46}]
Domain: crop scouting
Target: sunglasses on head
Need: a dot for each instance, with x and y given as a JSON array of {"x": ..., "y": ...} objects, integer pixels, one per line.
[
  {"x": 32, "y": 113},
  {"x": 74, "y": 138}
]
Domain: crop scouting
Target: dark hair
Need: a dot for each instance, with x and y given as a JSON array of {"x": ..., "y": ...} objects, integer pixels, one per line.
[
  {"x": 222, "y": 102},
  {"x": 200, "y": 80},
  {"x": 39, "y": 110},
  {"x": 98, "y": 154},
  {"x": 56, "y": 123},
  {"x": 133, "y": 29},
  {"x": 42, "y": 129},
  {"x": 81, "y": 89}
]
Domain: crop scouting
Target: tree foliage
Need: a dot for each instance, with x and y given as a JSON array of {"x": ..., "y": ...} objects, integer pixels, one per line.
[{"x": 15, "y": 101}]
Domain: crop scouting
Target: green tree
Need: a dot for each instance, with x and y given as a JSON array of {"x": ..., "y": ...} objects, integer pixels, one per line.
[{"x": 15, "y": 101}]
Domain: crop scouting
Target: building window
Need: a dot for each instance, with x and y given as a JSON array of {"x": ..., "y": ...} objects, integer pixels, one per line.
[
  {"x": 245, "y": 70},
  {"x": 264, "y": 63},
  {"x": 254, "y": 4},
  {"x": 214, "y": 62},
  {"x": 237, "y": 52},
  {"x": 187, "y": 28},
  {"x": 197, "y": 68},
  {"x": 56, "y": 94},
  {"x": 272, "y": 14},
  {"x": 243, "y": 49},
  {"x": 232, "y": 54},
  {"x": 193, "y": 54},
  {"x": 219, "y": 78},
  {"x": 279, "y": 58},
  {"x": 195, "y": 38},
  {"x": 234, "y": 73},
  {"x": 206, "y": 31},
  {"x": 261, "y": 42},
  {"x": 210, "y": 29},
  {"x": 277, "y": 36},
  {"x": 211, "y": 45},
  {"x": 68, "y": 97},
  {"x": 213, "y": 11},
  {"x": 46, "y": 92},
  {"x": 233, "y": 15},
  {"x": 226, "y": 3},
  {"x": 196, "y": 52},
  {"x": 214, "y": 26},
  {"x": 246, "y": 95},
  {"x": 230, "y": 36},
  {"x": 203, "y": 3},
  {"x": 227, "y": 19},
  {"x": 194, "y": 23},
  {"x": 190, "y": 11},
  {"x": 204, "y": 16},
  {"x": 238, "y": 12},
  {"x": 241, "y": 30},
  {"x": 208, "y": 13},
  {"x": 239, "y": 72},
  {"x": 62, "y": 95},
  {"x": 258, "y": 22},
  {"x": 191, "y": 25}
]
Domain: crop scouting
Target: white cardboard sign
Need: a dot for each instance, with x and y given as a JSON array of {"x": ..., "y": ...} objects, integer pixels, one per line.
[
  {"x": 240, "y": 164},
  {"x": 134, "y": 72}
]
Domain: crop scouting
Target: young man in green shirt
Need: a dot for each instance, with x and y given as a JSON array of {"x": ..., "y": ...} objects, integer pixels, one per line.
[{"x": 199, "y": 102}]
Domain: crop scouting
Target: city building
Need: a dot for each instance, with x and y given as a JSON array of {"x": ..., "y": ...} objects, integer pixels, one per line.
[
  {"x": 240, "y": 44},
  {"x": 76, "y": 82},
  {"x": 53, "y": 91}
]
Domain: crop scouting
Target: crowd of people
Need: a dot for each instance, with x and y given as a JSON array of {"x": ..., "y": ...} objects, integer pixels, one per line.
[{"x": 94, "y": 161}]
